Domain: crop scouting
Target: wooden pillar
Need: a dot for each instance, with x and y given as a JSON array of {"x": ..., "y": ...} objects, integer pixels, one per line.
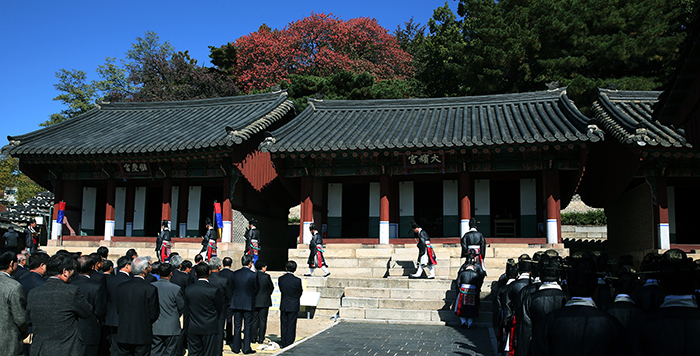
[
  {"x": 56, "y": 227},
  {"x": 166, "y": 208},
  {"x": 109, "y": 209},
  {"x": 663, "y": 232},
  {"x": 384, "y": 192},
  {"x": 226, "y": 213},
  {"x": 465, "y": 203},
  {"x": 307, "y": 209},
  {"x": 183, "y": 206},
  {"x": 551, "y": 188},
  {"x": 129, "y": 211}
]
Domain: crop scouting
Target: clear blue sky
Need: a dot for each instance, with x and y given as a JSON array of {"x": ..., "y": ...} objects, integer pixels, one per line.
[{"x": 40, "y": 37}]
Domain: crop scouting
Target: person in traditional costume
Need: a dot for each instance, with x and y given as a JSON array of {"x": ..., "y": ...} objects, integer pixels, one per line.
[
  {"x": 579, "y": 328},
  {"x": 548, "y": 297},
  {"x": 511, "y": 299},
  {"x": 474, "y": 240},
  {"x": 503, "y": 325},
  {"x": 316, "y": 259},
  {"x": 623, "y": 307},
  {"x": 672, "y": 328},
  {"x": 469, "y": 283},
  {"x": 163, "y": 244},
  {"x": 252, "y": 241},
  {"x": 650, "y": 295},
  {"x": 209, "y": 241},
  {"x": 426, "y": 254}
]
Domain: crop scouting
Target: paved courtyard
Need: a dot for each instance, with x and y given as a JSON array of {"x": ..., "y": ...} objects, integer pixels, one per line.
[{"x": 348, "y": 338}]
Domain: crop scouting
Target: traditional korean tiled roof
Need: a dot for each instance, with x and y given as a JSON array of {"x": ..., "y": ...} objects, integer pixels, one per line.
[
  {"x": 21, "y": 214},
  {"x": 117, "y": 129},
  {"x": 627, "y": 116},
  {"x": 507, "y": 119}
]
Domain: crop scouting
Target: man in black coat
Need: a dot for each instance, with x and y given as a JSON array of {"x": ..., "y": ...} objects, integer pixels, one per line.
[
  {"x": 473, "y": 239},
  {"x": 227, "y": 273},
  {"x": 206, "y": 302},
  {"x": 98, "y": 276},
  {"x": 245, "y": 287},
  {"x": 21, "y": 266},
  {"x": 31, "y": 238},
  {"x": 426, "y": 254},
  {"x": 672, "y": 329},
  {"x": 252, "y": 241},
  {"x": 138, "y": 308},
  {"x": 291, "y": 289},
  {"x": 224, "y": 284},
  {"x": 96, "y": 295},
  {"x": 32, "y": 279},
  {"x": 123, "y": 275},
  {"x": 11, "y": 238},
  {"x": 263, "y": 302},
  {"x": 579, "y": 328},
  {"x": 54, "y": 308}
]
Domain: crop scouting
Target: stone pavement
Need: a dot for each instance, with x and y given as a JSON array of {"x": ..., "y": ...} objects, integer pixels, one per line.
[{"x": 350, "y": 338}]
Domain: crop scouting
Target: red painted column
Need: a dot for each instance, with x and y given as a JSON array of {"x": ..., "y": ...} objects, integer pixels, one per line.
[
  {"x": 226, "y": 213},
  {"x": 56, "y": 228},
  {"x": 465, "y": 202},
  {"x": 384, "y": 206},
  {"x": 166, "y": 209},
  {"x": 109, "y": 209},
  {"x": 307, "y": 209},
  {"x": 551, "y": 188}
]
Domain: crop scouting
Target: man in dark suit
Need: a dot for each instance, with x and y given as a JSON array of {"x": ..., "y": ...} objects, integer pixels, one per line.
[
  {"x": 197, "y": 260},
  {"x": 263, "y": 302},
  {"x": 206, "y": 302},
  {"x": 95, "y": 294},
  {"x": 21, "y": 266},
  {"x": 34, "y": 278},
  {"x": 171, "y": 298},
  {"x": 245, "y": 287},
  {"x": 123, "y": 275},
  {"x": 228, "y": 274},
  {"x": 98, "y": 276},
  {"x": 224, "y": 284},
  {"x": 181, "y": 277},
  {"x": 13, "y": 322},
  {"x": 291, "y": 289},
  {"x": 53, "y": 310},
  {"x": 138, "y": 308}
]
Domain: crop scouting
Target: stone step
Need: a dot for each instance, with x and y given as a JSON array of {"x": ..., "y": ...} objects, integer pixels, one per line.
[
  {"x": 388, "y": 303},
  {"x": 409, "y": 294},
  {"x": 408, "y": 315}
]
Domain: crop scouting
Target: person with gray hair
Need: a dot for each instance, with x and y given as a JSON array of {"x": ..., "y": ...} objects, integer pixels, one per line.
[
  {"x": 176, "y": 261},
  {"x": 226, "y": 287},
  {"x": 138, "y": 308}
]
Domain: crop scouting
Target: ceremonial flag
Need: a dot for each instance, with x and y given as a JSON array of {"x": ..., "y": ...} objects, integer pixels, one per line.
[
  {"x": 219, "y": 218},
  {"x": 61, "y": 212}
]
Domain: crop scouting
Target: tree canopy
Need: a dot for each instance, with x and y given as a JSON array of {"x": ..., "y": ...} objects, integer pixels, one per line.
[
  {"x": 11, "y": 177},
  {"x": 319, "y": 45}
]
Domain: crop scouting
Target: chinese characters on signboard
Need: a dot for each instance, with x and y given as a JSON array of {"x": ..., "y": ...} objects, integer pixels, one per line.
[
  {"x": 424, "y": 159},
  {"x": 135, "y": 167}
]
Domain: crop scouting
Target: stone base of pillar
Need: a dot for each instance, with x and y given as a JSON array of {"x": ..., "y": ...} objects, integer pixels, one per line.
[
  {"x": 463, "y": 227},
  {"x": 664, "y": 233},
  {"x": 109, "y": 230},
  {"x": 226, "y": 235},
  {"x": 552, "y": 237},
  {"x": 384, "y": 232},
  {"x": 306, "y": 237},
  {"x": 56, "y": 229}
]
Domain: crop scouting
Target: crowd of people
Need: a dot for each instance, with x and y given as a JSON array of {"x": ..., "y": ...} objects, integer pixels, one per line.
[
  {"x": 586, "y": 304},
  {"x": 76, "y": 304}
]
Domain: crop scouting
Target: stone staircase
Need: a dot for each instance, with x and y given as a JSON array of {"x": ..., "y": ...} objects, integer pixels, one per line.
[{"x": 370, "y": 282}]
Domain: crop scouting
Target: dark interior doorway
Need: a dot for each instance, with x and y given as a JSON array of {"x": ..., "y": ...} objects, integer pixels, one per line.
[
  {"x": 505, "y": 206},
  {"x": 427, "y": 209},
  {"x": 355, "y": 210},
  {"x": 206, "y": 206},
  {"x": 100, "y": 211},
  {"x": 154, "y": 207},
  {"x": 687, "y": 210}
]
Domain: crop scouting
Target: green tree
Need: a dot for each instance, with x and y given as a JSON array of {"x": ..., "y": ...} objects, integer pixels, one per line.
[
  {"x": 78, "y": 95},
  {"x": 519, "y": 45},
  {"x": 11, "y": 177}
]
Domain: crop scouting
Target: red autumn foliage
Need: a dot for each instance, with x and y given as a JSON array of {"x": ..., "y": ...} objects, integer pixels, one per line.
[{"x": 319, "y": 45}]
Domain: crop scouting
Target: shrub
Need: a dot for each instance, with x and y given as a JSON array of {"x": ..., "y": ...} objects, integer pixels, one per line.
[{"x": 593, "y": 217}]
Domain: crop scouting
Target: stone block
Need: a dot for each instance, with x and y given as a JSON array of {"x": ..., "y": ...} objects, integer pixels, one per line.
[
  {"x": 379, "y": 273},
  {"x": 368, "y": 292},
  {"x": 358, "y": 302},
  {"x": 329, "y": 303},
  {"x": 417, "y": 304},
  {"x": 373, "y": 253},
  {"x": 376, "y": 262},
  {"x": 432, "y": 294},
  {"x": 332, "y": 292},
  {"x": 352, "y": 313},
  {"x": 440, "y": 284},
  {"x": 315, "y": 281},
  {"x": 398, "y": 314},
  {"x": 343, "y": 262},
  {"x": 337, "y": 252}
]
